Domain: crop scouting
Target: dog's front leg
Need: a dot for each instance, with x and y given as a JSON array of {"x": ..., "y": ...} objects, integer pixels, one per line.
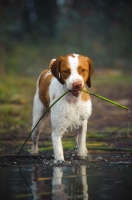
[
  {"x": 57, "y": 145},
  {"x": 81, "y": 140}
]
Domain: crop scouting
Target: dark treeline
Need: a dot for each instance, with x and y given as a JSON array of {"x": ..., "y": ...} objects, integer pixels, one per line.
[
  {"x": 41, "y": 16},
  {"x": 26, "y": 16},
  {"x": 102, "y": 27}
]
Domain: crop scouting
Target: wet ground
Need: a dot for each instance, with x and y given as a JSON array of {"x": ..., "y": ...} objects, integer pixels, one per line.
[{"x": 101, "y": 176}]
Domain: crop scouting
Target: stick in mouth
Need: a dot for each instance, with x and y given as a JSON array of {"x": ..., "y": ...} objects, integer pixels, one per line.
[{"x": 75, "y": 92}]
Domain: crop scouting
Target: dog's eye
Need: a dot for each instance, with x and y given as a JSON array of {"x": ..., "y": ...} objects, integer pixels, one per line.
[
  {"x": 66, "y": 71},
  {"x": 83, "y": 70}
]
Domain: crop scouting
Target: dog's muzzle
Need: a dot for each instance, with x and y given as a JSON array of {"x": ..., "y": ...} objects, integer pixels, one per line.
[{"x": 76, "y": 88}]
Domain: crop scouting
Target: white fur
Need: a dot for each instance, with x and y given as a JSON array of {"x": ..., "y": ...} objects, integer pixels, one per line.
[
  {"x": 38, "y": 110},
  {"x": 74, "y": 77},
  {"x": 69, "y": 112}
]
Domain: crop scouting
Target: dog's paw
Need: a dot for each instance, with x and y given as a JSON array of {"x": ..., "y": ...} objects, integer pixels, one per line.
[
  {"x": 58, "y": 162},
  {"x": 83, "y": 154},
  {"x": 34, "y": 150}
]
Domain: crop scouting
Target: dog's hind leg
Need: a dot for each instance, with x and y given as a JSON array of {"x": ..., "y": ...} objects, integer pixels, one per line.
[{"x": 38, "y": 110}]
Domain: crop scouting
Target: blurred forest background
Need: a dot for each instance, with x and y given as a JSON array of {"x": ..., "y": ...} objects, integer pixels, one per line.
[{"x": 32, "y": 32}]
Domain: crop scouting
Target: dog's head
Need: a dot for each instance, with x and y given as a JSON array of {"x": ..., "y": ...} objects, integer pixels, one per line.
[{"x": 74, "y": 71}]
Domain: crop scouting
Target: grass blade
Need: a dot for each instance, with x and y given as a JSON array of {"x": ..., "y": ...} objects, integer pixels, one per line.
[{"x": 105, "y": 99}]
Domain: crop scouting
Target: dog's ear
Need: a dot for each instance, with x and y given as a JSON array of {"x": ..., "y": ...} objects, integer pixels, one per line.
[
  {"x": 55, "y": 69},
  {"x": 88, "y": 82}
]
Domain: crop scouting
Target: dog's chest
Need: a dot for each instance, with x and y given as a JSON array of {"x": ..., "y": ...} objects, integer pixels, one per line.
[
  {"x": 65, "y": 114},
  {"x": 69, "y": 111},
  {"x": 78, "y": 110}
]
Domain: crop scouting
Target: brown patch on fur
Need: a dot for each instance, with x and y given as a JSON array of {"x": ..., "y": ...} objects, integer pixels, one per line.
[
  {"x": 65, "y": 71},
  {"x": 51, "y": 63},
  {"x": 44, "y": 83},
  {"x": 61, "y": 69},
  {"x": 55, "y": 68},
  {"x": 85, "y": 69},
  {"x": 85, "y": 96}
]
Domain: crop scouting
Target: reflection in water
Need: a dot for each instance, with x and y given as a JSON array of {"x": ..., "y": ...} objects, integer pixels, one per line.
[
  {"x": 58, "y": 189},
  {"x": 39, "y": 188},
  {"x": 97, "y": 180},
  {"x": 62, "y": 185},
  {"x": 82, "y": 179}
]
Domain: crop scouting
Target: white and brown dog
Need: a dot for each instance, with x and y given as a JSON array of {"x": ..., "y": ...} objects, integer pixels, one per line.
[{"x": 71, "y": 72}]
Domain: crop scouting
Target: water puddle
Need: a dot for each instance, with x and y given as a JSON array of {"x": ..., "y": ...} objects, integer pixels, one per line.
[{"x": 104, "y": 176}]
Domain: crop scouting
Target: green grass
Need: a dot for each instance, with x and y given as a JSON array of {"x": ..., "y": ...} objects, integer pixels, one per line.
[
  {"x": 16, "y": 94},
  {"x": 91, "y": 145},
  {"x": 111, "y": 80}
]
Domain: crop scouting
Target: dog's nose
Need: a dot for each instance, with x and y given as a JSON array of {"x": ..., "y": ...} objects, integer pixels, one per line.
[{"x": 77, "y": 85}]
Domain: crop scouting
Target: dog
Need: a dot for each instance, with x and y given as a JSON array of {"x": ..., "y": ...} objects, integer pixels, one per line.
[{"x": 70, "y": 72}]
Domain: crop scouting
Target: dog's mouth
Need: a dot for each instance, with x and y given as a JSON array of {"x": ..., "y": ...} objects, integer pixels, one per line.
[{"x": 75, "y": 92}]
